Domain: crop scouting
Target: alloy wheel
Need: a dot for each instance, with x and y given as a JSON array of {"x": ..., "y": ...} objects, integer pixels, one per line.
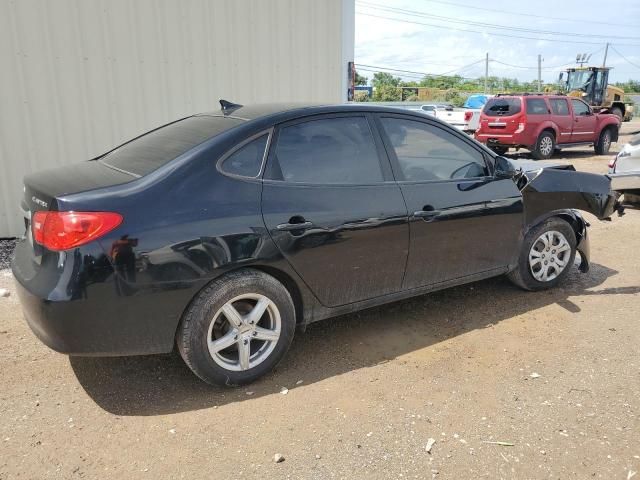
[
  {"x": 546, "y": 145},
  {"x": 549, "y": 256},
  {"x": 244, "y": 332}
]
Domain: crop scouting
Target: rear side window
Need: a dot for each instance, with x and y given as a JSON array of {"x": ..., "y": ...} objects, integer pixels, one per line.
[
  {"x": 502, "y": 107},
  {"x": 247, "y": 160},
  {"x": 328, "y": 151},
  {"x": 154, "y": 149},
  {"x": 536, "y": 106},
  {"x": 559, "y": 106}
]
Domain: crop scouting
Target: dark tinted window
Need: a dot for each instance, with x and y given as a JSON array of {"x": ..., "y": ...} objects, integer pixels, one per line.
[
  {"x": 248, "y": 159},
  {"x": 579, "y": 107},
  {"x": 154, "y": 149},
  {"x": 502, "y": 107},
  {"x": 427, "y": 152},
  {"x": 536, "y": 106},
  {"x": 336, "y": 150},
  {"x": 559, "y": 106}
]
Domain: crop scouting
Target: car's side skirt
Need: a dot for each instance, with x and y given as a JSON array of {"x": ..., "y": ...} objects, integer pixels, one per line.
[{"x": 323, "y": 313}]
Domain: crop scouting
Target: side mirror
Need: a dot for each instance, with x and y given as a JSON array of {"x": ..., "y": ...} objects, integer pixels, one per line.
[
  {"x": 503, "y": 168},
  {"x": 560, "y": 77}
]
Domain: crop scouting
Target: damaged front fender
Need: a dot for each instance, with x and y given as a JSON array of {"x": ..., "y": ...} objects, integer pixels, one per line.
[{"x": 551, "y": 189}]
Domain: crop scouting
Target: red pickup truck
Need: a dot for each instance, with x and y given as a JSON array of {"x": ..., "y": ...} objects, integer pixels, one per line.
[{"x": 544, "y": 123}]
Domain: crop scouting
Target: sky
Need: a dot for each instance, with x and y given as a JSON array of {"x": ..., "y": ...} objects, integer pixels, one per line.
[{"x": 443, "y": 47}]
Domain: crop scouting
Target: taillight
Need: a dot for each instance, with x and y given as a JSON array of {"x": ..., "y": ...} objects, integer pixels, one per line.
[
  {"x": 521, "y": 125},
  {"x": 65, "y": 230},
  {"x": 467, "y": 116}
]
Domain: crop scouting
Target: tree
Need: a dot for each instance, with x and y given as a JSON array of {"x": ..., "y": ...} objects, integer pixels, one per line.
[
  {"x": 385, "y": 79},
  {"x": 387, "y": 93},
  {"x": 361, "y": 80}
]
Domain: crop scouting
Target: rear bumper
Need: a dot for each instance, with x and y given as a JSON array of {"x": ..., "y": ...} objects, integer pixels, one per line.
[
  {"x": 77, "y": 310},
  {"x": 500, "y": 139}
]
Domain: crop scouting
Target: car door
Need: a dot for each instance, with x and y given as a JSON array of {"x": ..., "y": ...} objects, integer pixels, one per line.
[
  {"x": 331, "y": 205},
  {"x": 462, "y": 220},
  {"x": 561, "y": 116},
  {"x": 584, "y": 122}
]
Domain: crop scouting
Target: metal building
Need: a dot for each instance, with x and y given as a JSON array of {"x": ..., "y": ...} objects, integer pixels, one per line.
[{"x": 81, "y": 76}]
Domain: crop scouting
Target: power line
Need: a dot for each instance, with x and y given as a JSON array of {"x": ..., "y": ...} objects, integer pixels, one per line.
[
  {"x": 546, "y": 17},
  {"x": 624, "y": 58},
  {"x": 410, "y": 73},
  {"x": 481, "y": 32},
  {"x": 531, "y": 68},
  {"x": 403, "y": 11}
]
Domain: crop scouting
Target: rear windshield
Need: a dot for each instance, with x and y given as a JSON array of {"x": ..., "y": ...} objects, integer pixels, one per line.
[
  {"x": 502, "y": 107},
  {"x": 154, "y": 149}
]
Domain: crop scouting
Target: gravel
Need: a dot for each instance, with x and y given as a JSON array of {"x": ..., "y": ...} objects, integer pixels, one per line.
[{"x": 6, "y": 252}]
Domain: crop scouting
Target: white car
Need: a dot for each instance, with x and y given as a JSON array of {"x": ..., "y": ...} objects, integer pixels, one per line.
[{"x": 624, "y": 170}]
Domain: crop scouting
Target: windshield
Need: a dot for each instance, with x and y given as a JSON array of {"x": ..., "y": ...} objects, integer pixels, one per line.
[{"x": 579, "y": 80}]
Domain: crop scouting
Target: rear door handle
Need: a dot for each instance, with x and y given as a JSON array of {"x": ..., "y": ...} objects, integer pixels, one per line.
[{"x": 287, "y": 227}]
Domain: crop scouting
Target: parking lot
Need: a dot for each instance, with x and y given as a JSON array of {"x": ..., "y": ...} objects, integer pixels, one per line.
[{"x": 509, "y": 384}]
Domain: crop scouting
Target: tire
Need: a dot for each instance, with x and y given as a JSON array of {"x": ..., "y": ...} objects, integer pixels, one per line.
[
  {"x": 604, "y": 142},
  {"x": 500, "y": 150},
  {"x": 544, "y": 147},
  {"x": 617, "y": 112},
  {"x": 218, "y": 326},
  {"x": 527, "y": 274}
]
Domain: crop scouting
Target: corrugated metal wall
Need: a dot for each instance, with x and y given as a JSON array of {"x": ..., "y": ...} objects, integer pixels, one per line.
[{"x": 81, "y": 76}]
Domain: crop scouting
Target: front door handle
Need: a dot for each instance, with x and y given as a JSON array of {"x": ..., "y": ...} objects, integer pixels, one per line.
[
  {"x": 288, "y": 227},
  {"x": 426, "y": 213}
]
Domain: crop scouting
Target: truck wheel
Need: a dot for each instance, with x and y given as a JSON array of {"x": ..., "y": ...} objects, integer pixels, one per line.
[
  {"x": 544, "y": 147},
  {"x": 617, "y": 112},
  {"x": 604, "y": 142},
  {"x": 237, "y": 329},
  {"x": 547, "y": 254}
]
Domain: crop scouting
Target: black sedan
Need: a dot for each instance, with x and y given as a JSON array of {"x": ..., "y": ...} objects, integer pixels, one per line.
[{"x": 222, "y": 232}]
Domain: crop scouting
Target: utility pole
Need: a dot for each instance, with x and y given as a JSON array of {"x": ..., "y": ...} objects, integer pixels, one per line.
[
  {"x": 539, "y": 73},
  {"x": 606, "y": 50},
  {"x": 486, "y": 72}
]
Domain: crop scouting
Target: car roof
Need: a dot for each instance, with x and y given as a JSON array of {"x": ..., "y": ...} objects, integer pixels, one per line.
[{"x": 278, "y": 112}]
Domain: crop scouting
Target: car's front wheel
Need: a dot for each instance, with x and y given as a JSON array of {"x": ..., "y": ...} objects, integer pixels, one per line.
[
  {"x": 548, "y": 252},
  {"x": 237, "y": 329}
]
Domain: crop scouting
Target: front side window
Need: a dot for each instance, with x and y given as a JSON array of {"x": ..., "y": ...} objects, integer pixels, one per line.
[
  {"x": 536, "y": 106},
  {"x": 328, "y": 151},
  {"x": 247, "y": 160},
  {"x": 427, "y": 153},
  {"x": 559, "y": 106},
  {"x": 579, "y": 107}
]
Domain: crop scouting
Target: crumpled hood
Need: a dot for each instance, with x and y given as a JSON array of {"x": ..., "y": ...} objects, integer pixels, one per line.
[
  {"x": 533, "y": 165},
  {"x": 559, "y": 187}
]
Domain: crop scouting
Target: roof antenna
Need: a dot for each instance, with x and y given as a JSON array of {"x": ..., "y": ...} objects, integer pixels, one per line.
[{"x": 228, "y": 107}]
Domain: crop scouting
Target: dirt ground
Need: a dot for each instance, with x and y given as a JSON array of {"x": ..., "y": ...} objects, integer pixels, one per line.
[{"x": 554, "y": 375}]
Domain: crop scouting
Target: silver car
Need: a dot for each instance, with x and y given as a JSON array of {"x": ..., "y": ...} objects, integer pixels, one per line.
[{"x": 624, "y": 170}]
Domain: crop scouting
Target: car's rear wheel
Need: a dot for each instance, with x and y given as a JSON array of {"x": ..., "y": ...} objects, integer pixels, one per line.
[
  {"x": 604, "y": 142},
  {"x": 545, "y": 145},
  {"x": 238, "y": 328},
  {"x": 548, "y": 252}
]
